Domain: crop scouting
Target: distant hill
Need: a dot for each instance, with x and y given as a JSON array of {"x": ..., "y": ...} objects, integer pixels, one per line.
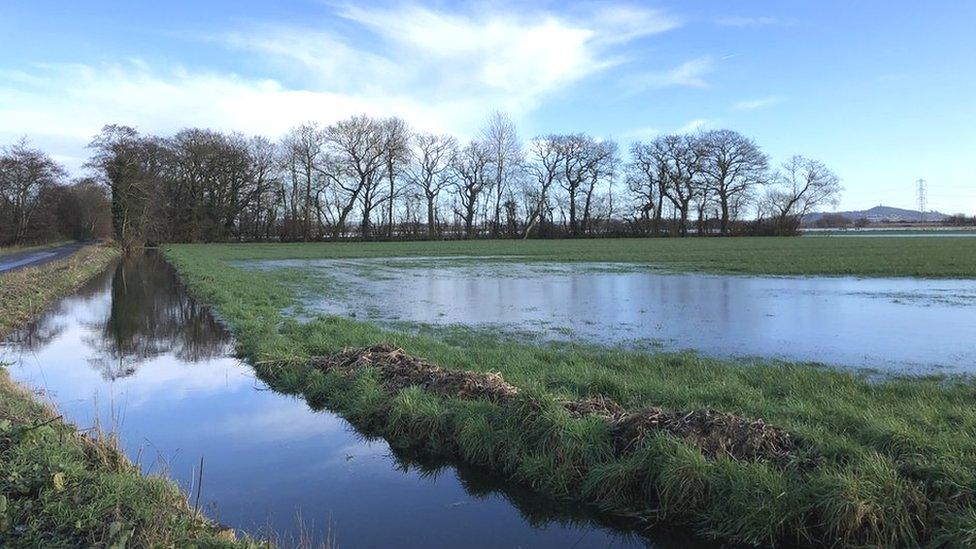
[{"x": 878, "y": 214}]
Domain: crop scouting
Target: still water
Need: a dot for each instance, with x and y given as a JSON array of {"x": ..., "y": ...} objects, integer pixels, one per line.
[
  {"x": 903, "y": 325},
  {"x": 133, "y": 350}
]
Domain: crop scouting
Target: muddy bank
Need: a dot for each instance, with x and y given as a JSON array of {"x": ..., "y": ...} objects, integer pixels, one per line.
[{"x": 716, "y": 434}]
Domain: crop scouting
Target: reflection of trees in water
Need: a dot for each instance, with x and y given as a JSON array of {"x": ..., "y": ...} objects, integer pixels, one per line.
[
  {"x": 150, "y": 315},
  {"x": 51, "y": 323}
]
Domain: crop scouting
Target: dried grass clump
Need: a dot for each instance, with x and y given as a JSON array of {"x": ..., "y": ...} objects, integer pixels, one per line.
[
  {"x": 716, "y": 434},
  {"x": 400, "y": 370}
]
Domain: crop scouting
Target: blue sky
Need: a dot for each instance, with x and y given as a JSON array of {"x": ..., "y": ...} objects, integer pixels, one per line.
[{"x": 884, "y": 92}]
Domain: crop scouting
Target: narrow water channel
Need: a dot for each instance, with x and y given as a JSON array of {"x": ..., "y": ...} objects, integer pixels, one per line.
[{"x": 131, "y": 350}]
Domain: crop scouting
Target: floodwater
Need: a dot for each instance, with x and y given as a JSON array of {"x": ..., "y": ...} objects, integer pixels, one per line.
[
  {"x": 131, "y": 349},
  {"x": 903, "y": 325}
]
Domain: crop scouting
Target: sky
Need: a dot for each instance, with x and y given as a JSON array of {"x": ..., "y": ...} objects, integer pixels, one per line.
[{"x": 883, "y": 92}]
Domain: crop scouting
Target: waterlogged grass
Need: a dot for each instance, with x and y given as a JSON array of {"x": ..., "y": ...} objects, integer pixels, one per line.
[
  {"x": 889, "y": 463},
  {"x": 873, "y": 256}
]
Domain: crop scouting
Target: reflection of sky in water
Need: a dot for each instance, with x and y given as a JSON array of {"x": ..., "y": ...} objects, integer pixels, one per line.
[
  {"x": 902, "y": 324},
  {"x": 266, "y": 456}
]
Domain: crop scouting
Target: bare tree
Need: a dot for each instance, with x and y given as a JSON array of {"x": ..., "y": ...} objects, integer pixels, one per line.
[
  {"x": 432, "y": 156},
  {"x": 500, "y": 137},
  {"x": 263, "y": 212},
  {"x": 732, "y": 165},
  {"x": 470, "y": 170},
  {"x": 682, "y": 155},
  {"x": 546, "y": 160},
  {"x": 357, "y": 146},
  {"x": 601, "y": 165},
  {"x": 647, "y": 177},
  {"x": 396, "y": 154},
  {"x": 303, "y": 159},
  {"x": 83, "y": 210},
  {"x": 802, "y": 184},
  {"x": 583, "y": 160},
  {"x": 25, "y": 173}
]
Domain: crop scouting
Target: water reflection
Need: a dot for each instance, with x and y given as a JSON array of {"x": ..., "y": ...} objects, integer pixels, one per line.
[
  {"x": 130, "y": 349},
  {"x": 903, "y": 325},
  {"x": 149, "y": 316}
]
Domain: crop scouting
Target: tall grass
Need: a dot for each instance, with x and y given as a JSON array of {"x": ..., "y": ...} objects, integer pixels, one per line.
[{"x": 878, "y": 463}]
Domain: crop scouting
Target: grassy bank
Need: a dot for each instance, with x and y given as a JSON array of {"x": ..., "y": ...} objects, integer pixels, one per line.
[
  {"x": 890, "y": 463},
  {"x": 62, "y": 488},
  {"x": 26, "y": 292},
  {"x": 849, "y": 256}
]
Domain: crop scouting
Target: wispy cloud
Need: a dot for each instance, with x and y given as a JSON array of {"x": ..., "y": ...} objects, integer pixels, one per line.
[
  {"x": 441, "y": 69},
  {"x": 504, "y": 59},
  {"x": 694, "y": 125},
  {"x": 689, "y": 74},
  {"x": 762, "y": 21},
  {"x": 648, "y": 132},
  {"x": 642, "y": 133},
  {"x": 756, "y": 104}
]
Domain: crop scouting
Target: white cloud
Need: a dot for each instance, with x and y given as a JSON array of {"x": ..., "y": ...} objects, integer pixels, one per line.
[
  {"x": 741, "y": 22},
  {"x": 640, "y": 134},
  {"x": 693, "y": 125},
  {"x": 648, "y": 133},
  {"x": 755, "y": 104},
  {"x": 689, "y": 74},
  {"x": 442, "y": 70}
]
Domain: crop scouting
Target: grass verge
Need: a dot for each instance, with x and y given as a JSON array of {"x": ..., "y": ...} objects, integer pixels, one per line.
[
  {"x": 26, "y": 292},
  {"x": 4, "y": 250},
  {"x": 60, "y": 487},
  {"x": 888, "y": 463}
]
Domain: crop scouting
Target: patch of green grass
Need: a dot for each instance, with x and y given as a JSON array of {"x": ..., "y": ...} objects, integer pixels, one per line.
[
  {"x": 878, "y": 463},
  {"x": 874, "y": 256}
]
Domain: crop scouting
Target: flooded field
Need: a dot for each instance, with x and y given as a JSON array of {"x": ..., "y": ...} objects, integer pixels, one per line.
[
  {"x": 887, "y": 324},
  {"x": 130, "y": 349}
]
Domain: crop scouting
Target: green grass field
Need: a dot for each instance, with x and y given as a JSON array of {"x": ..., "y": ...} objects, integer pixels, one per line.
[
  {"x": 876, "y": 256},
  {"x": 888, "y": 463}
]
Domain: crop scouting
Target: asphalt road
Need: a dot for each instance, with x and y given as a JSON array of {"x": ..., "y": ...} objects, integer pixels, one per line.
[{"x": 33, "y": 258}]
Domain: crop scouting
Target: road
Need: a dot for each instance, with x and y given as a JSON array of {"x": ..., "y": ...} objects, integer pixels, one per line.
[{"x": 33, "y": 258}]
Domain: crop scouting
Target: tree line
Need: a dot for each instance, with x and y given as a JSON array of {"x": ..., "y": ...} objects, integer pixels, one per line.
[
  {"x": 39, "y": 204},
  {"x": 375, "y": 178}
]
